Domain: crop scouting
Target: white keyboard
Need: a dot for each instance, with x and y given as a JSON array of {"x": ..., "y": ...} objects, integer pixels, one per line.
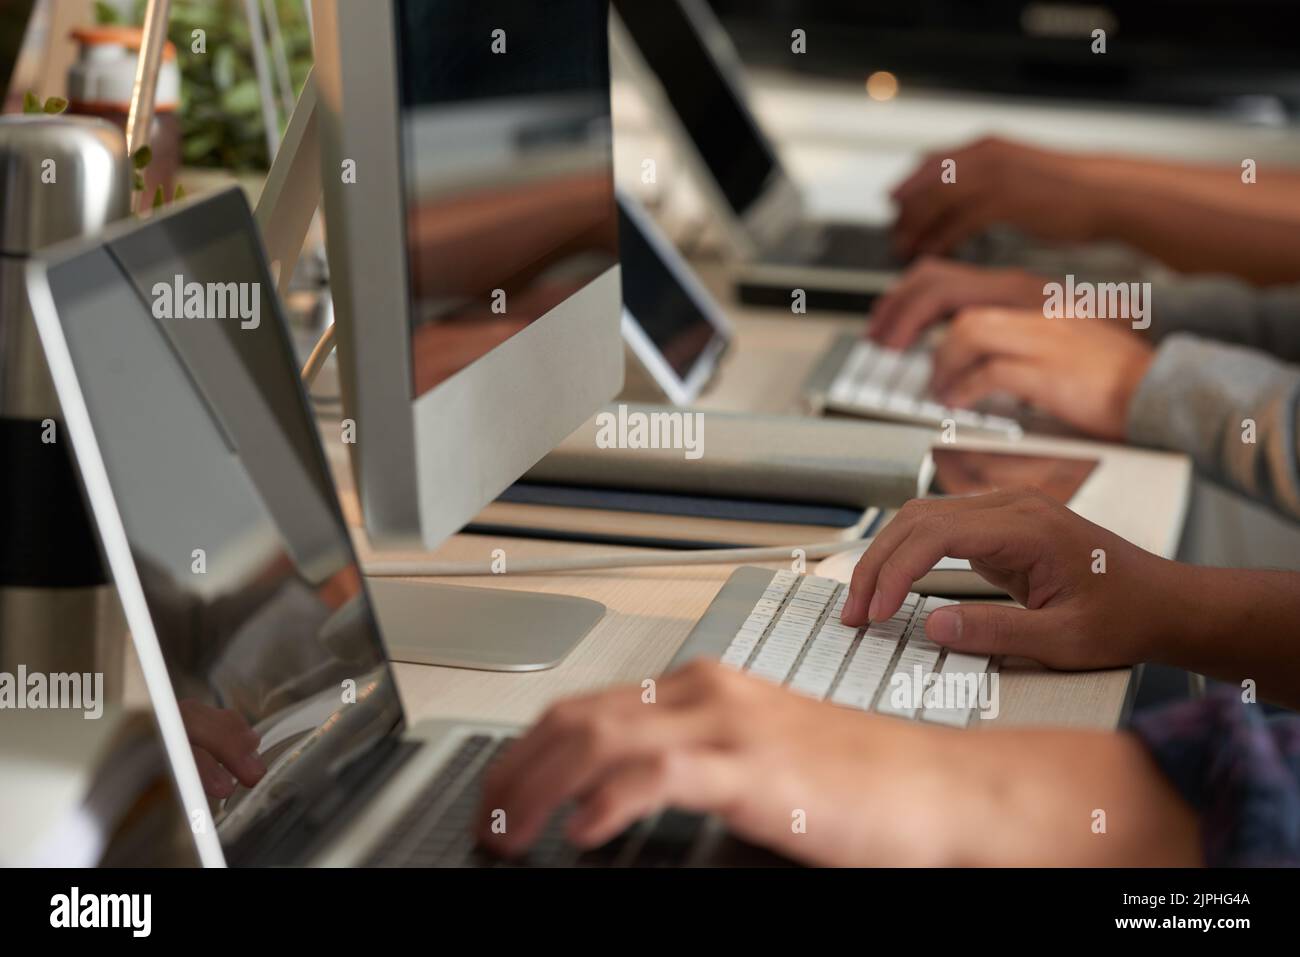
[
  {"x": 794, "y": 636},
  {"x": 887, "y": 383}
]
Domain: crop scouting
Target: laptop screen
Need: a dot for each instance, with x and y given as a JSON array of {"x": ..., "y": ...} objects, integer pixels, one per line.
[
  {"x": 709, "y": 107},
  {"x": 216, "y": 468}
]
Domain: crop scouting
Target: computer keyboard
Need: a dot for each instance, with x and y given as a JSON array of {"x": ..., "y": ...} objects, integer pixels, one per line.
[
  {"x": 892, "y": 384},
  {"x": 793, "y": 636}
]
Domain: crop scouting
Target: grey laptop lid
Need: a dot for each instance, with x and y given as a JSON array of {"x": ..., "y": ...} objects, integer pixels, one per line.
[
  {"x": 219, "y": 518},
  {"x": 670, "y": 36}
]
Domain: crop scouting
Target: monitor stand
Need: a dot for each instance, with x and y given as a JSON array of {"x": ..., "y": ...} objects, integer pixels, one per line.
[{"x": 492, "y": 629}]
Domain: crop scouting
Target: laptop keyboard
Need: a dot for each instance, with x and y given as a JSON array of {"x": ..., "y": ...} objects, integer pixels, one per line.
[
  {"x": 794, "y": 636},
  {"x": 438, "y": 829},
  {"x": 892, "y": 384}
]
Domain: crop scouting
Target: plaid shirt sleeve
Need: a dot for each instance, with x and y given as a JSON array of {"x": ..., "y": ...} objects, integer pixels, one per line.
[{"x": 1239, "y": 769}]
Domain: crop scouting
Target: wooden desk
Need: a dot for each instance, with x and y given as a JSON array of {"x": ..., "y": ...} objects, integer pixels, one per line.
[{"x": 1140, "y": 495}]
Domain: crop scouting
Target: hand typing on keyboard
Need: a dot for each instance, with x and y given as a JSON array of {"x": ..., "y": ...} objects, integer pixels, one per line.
[
  {"x": 1086, "y": 592},
  {"x": 841, "y": 786},
  {"x": 827, "y": 785},
  {"x": 936, "y": 289},
  {"x": 1084, "y": 372}
]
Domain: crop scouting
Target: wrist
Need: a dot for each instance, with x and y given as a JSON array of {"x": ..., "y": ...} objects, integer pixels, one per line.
[
  {"x": 1031, "y": 798},
  {"x": 1177, "y": 617},
  {"x": 1128, "y": 378},
  {"x": 1097, "y": 185}
]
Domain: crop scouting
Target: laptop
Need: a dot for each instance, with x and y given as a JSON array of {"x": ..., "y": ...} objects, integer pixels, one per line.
[
  {"x": 257, "y": 639},
  {"x": 681, "y": 54}
]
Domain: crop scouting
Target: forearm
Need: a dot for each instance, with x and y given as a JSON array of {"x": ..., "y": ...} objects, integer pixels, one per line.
[
  {"x": 1194, "y": 219},
  {"x": 1236, "y": 625},
  {"x": 1233, "y": 410},
  {"x": 1229, "y": 310},
  {"x": 1068, "y": 798},
  {"x": 1198, "y": 234}
]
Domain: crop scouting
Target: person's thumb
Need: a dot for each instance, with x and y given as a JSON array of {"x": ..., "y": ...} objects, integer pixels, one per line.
[{"x": 990, "y": 629}]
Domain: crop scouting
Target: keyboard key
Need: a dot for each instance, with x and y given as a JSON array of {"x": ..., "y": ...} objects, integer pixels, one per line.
[
  {"x": 892, "y": 384},
  {"x": 961, "y": 665}
]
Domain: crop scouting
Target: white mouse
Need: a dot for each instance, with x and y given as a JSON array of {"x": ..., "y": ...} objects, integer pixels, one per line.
[{"x": 950, "y": 576}]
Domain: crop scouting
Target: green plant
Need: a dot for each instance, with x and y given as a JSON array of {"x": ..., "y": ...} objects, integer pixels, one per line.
[
  {"x": 221, "y": 115},
  {"x": 106, "y": 13},
  {"x": 140, "y": 160},
  {"x": 52, "y": 105},
  {"x": 220, "y": 109}
]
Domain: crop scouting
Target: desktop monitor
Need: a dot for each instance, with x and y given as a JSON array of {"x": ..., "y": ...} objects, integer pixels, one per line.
[
  {"x": 472, "y": 233},
  {"x": 473, "y": 243}
]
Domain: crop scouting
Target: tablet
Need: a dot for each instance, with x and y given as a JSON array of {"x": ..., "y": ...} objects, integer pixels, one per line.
[
  {"x": 977, "y": 471},
  {"x": 672, "y": 327}
]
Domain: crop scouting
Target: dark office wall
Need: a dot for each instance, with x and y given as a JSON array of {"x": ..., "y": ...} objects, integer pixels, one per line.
[{"x": 1183, "y": 51}]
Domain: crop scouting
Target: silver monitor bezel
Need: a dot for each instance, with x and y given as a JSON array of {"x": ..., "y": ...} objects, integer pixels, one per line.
[{"x": 424, "y": 466}]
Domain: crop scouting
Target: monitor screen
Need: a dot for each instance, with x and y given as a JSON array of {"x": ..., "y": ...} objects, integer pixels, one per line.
[
  {"x": 216, "y": 468},
  {"x": 507, "y": 169},
  {"x": 717, "y": 121},
  {"x": 658, "y": 301}
]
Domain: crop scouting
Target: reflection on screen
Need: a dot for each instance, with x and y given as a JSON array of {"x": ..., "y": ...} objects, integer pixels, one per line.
[
  {"x": 236, "y": 534},
  {"x": 508, "y": 169},
  {"x": 715, "y": 119},
  {"x": 658, "y": 302},
  {"x": 976, "y": 472}
]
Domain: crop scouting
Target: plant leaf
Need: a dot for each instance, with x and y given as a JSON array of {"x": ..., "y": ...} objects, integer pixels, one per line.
[
  {"x": 55, "y": 105},
  {"x": 105, "y": 13},
  {"x": 137, "y": 181},
  {"x": 31, "y": 102},
  {"x": 158, "y": 199},
  {"x": 142, "y": 157},
  {"x": 178, "y": 193}
]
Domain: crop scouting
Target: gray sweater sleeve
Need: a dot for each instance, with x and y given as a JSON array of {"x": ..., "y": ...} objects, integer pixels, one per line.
[
  {"x": 1231, "y": 311},
  {"x": 1232, "y": 409}
]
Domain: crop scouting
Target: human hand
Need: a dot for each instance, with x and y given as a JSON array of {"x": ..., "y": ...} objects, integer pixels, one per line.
[
  {"x": 718, "y": 741},
  {"x": 1084, "y": 372},
  {"x": 223, "y": 745},
  {"x": 869, "y": 790},
  {"x": 934, "y": 289},
  {"x": 1040, "y": 192},
  {"x": 1091, "y": 599}
]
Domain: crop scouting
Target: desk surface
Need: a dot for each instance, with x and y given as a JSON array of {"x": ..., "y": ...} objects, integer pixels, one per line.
[{"x": 1141, "y": 495}]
